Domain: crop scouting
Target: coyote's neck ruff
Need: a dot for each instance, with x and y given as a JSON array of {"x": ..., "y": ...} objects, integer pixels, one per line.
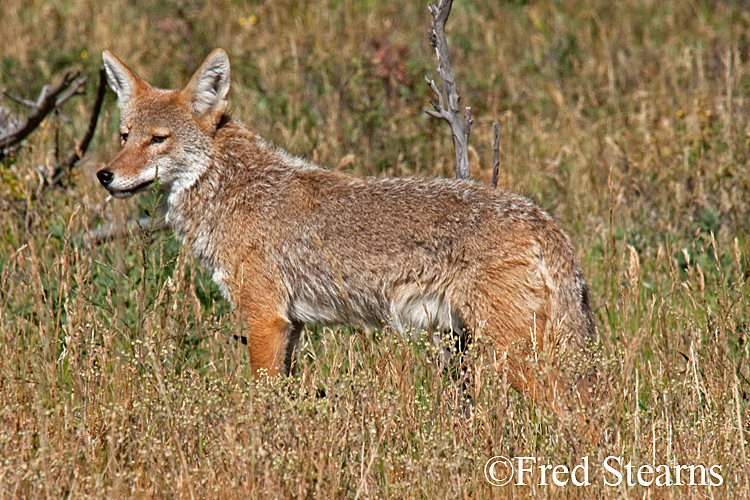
[{"x": 291, "y": 243}]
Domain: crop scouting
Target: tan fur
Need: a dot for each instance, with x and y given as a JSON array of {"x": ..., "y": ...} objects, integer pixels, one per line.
[{"x": 291, "y": 243}]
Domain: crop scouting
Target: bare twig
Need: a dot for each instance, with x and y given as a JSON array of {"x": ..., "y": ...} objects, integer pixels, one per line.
[
  {"x": 76, "y": 88},
  {"x": 460, "y": 126},
  {"x": 496, "y": 156},
  {"x": 468, "y": 120},
  {"x": 76, "y": 155},
  {"x": 115, "y": 232},
  {"x": 45, "y": 103},
  {"x": 19, "y": 100}
]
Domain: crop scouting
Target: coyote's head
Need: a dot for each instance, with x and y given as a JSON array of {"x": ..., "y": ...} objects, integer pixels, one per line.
[{"x": 164, "y": 133}]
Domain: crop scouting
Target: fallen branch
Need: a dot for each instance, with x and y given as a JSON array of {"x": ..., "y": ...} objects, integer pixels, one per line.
[
  {"x": 76, "y": 88},
  {"x": 47, "y": 101},
  {"x": 75, "y": 156},
  {"x": 114, "y": 231},
  {"x": 460, "y": 125}
]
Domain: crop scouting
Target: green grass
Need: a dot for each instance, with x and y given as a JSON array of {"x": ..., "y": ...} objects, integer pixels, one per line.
[{"x": 120, "y": 375}]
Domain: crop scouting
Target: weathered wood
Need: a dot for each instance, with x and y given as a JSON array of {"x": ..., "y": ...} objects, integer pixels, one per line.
[{"x": 460, "y": 125}]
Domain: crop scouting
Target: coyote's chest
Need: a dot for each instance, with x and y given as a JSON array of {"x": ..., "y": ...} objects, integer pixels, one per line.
[{"x": 200, "y": 234}]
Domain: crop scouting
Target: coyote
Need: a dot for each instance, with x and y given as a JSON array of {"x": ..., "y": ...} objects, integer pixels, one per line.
[{"x": 291, "y": 243}]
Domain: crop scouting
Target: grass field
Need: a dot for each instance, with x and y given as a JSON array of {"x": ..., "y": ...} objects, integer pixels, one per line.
[{"x": 120, "y": 375}]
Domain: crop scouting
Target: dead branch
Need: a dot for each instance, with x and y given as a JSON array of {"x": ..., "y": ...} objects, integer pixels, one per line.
[
  {"x": 460, "y": 125},
  {"x": 76, "y": 155},
  {"x": 19, "y": 100},
  {"x": 47, "y": 101},
  {"x": 496, "y": 155},
  {"x": 114, "y": 232},
  {"x": 76, "y": 88}
]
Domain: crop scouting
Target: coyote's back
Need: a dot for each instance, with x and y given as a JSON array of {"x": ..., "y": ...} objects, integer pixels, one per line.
[{"x": 290, "y": 243}]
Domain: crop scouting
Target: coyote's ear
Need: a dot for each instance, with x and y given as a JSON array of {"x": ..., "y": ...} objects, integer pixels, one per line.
[
  {"x": 122, "y": 80},
  {"x": 207, "y": 90}
]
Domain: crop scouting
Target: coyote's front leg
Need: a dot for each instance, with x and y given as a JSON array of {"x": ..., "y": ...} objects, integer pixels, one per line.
[
  {"x": 270, "y": 343},
  {"x": 271, "y": 335}
]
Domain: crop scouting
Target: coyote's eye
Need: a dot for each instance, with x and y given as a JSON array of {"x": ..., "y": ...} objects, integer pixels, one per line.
[
  {"x": 158, "y": 139},
  {"x": 123, "y": 138}
]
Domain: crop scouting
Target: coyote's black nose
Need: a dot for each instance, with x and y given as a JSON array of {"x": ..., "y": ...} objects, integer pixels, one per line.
[{"x": 105, "y": 177}]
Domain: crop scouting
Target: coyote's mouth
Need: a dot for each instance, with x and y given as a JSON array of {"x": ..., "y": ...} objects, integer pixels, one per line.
[{"x": 127, "y": 193}]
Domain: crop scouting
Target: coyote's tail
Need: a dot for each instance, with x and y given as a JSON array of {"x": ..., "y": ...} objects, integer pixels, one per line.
[{"x": 571, "y": 326}]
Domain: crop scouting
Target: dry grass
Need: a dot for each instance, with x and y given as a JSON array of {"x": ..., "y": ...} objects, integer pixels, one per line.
[{"x": 119, "y": 372}]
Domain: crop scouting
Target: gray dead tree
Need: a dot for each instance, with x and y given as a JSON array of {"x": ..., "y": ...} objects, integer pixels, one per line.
[{"x": 460, "y": 125}]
